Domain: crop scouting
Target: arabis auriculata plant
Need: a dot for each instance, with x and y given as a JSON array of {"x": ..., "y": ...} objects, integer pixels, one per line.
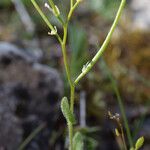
[{"x": 67, "y": 107}]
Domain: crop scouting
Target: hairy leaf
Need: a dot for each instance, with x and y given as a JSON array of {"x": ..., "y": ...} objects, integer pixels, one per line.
[{"x": 66, "y": 111}]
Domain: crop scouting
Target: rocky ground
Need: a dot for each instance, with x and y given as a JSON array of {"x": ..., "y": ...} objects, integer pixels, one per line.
[{"x": 29, "y": 96}]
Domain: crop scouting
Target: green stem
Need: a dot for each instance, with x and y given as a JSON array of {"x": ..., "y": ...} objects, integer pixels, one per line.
[
  {"x": 72, "y": 10},
  {"x": 72, "y": 88},
  {"x": 71, "y": 3},
  {"x": 63, "y": 45},
  {"x": 45, "y": 19},
  {"x": 55, "y": 11},
  {"x": 72, "y": 98},
  {"x": 52, "y": 5},
  {"x": 104, "y": 46},
  {"x": 70, "y": 129}
]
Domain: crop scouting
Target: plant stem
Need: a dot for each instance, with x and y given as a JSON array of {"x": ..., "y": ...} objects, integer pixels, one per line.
[
  {"x": 122, "y": 109},
  {"x": 31, "y": 136},
  {"x": 71, "y": 3},
  {"x": 70, "y": 129},
  {"x": 72, "y": 9},
  {"x": 72, "y": 98},
  {"x": 121, "y": 105},
  {"x": 45, "y": 19},
  {"x": 63, "y": 45},
  {"x": 104, "y": 46},
  {"x": 72, "y": 88}
]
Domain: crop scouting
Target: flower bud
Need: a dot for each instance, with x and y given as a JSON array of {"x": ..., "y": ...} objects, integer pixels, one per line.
[{"x": 53, "y": 32}]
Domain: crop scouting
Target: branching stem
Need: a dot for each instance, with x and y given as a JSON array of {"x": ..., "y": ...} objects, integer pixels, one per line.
[
  {"x": 45, "y": 19},
  {"x": 104, "y": 45},
  {"x": 63, "y": 41}
]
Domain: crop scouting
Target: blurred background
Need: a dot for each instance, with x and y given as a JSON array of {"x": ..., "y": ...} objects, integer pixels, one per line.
[{"x": 33, "y": 81}]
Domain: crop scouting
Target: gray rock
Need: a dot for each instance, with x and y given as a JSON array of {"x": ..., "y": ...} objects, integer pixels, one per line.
[
  {"x": 10, "y": 51},
  {"x": 10, "y": 126},
  {"x": 10, "y": 131},
  {"x": 27, "y": 89}
]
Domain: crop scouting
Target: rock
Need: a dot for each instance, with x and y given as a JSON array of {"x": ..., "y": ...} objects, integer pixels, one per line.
[
  {"x": 9, "y": 51},
  {"x": 11, "y": 131},
  {"x": 10, "y": 126},
  {"x": 29, "y": 94}
]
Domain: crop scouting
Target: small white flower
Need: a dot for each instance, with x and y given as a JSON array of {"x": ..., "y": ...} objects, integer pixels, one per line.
[
  {"x": 53, "y": 32},
  {"x": 48, "y": 7}
]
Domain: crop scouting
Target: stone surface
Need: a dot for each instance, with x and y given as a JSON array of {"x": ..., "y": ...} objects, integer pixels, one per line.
[
  {"x": 29, "y": 96},
  {"x": 10, "y": 126}
]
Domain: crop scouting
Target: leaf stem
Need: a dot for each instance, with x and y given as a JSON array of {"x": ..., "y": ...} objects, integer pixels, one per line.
[
  {"x": 72, "y": 10},
  {"x": 104, "y": 46},
  {"x": 72, "y": 88}
]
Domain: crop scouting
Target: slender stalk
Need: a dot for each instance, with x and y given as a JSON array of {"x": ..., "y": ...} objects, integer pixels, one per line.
[
  {"x": 72, "y": 88},
  {"x": 71, "y": 3},
  {"x": 72, "y": 98},
  {"x": 63, "y": 46},
  {"x": 72, "y": 9},
  {"x": 123, "y": 113},
  {"x": 104, "y": 46},
  {"x": 52, "y": 5},
  {"x": 45, "y": 19},
  {"x": 121, "y": 105},
  {"x": 70, "y": 129},
  {"x": 31, "y": 136}
]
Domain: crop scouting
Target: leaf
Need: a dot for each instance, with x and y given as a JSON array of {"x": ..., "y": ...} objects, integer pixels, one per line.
[
  {"x": 78, "y": 141},
  {"x": 66, "y": 111},
  {"x": 139, "y": 143}
]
